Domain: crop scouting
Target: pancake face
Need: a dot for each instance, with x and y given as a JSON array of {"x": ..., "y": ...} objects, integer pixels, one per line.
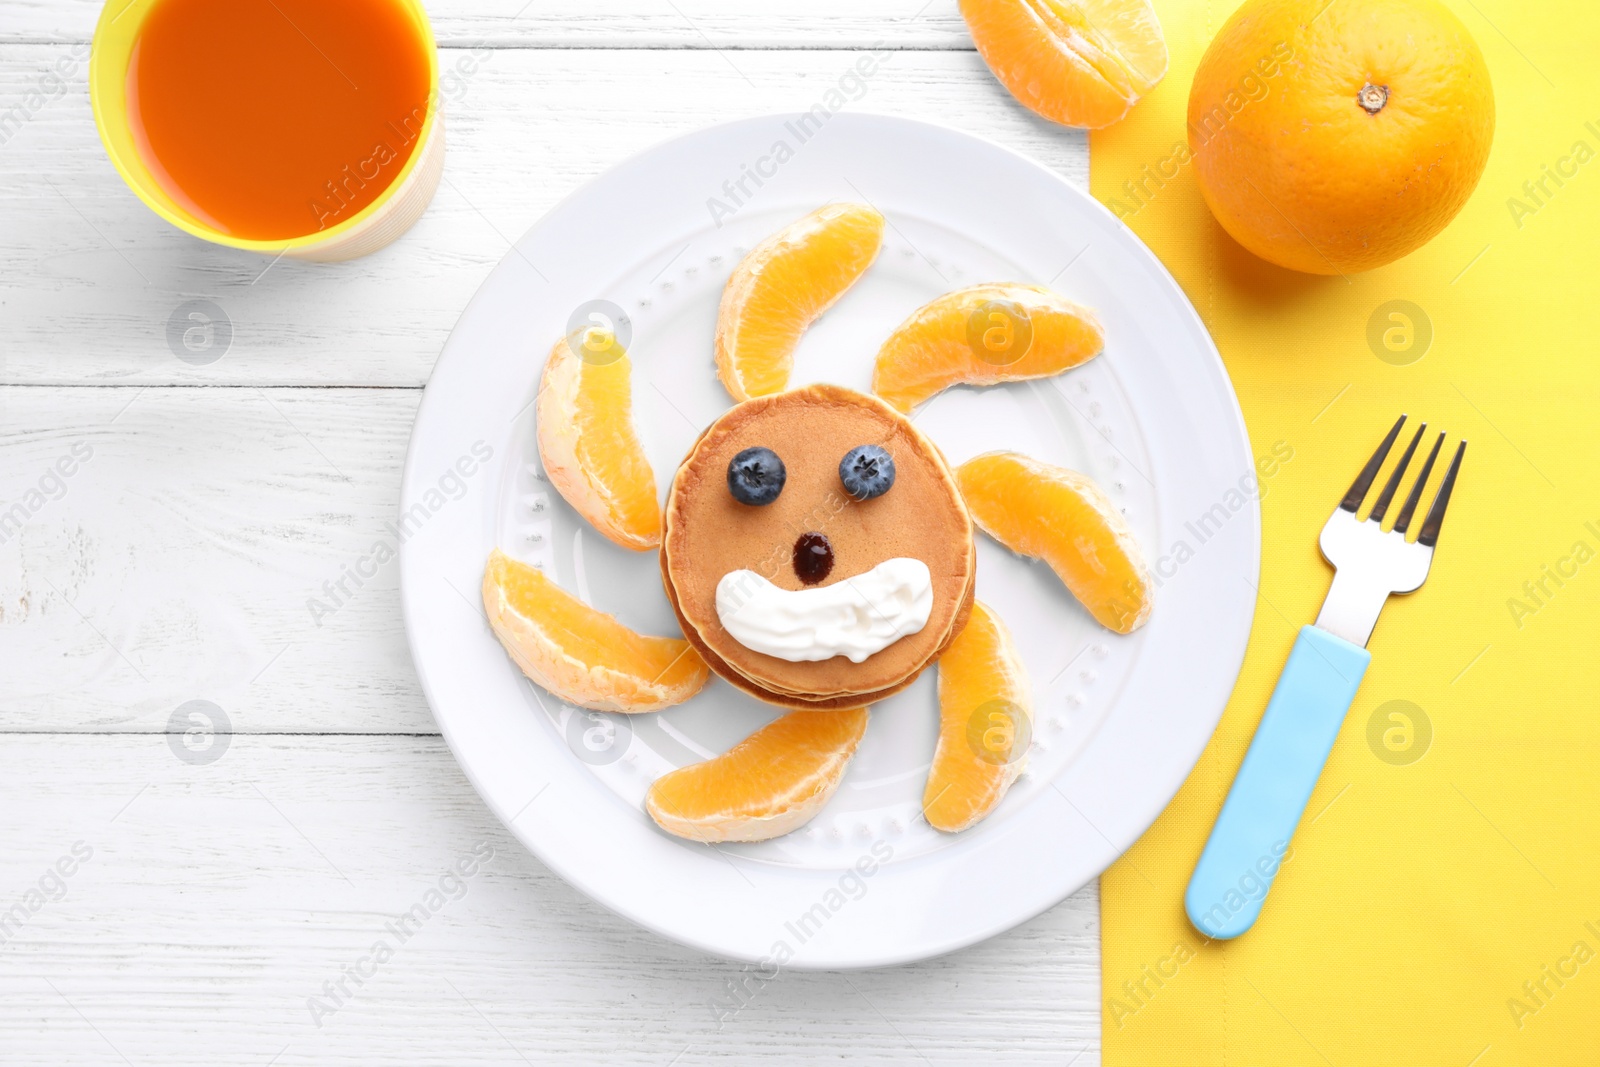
[{"x": 709, "y": 534}]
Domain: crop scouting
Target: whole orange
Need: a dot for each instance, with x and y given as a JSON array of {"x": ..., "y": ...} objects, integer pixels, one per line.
[{"x": 1334, "y": 136}]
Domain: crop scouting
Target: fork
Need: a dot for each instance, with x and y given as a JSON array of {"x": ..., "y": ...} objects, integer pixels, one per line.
[{"x": 1251, "y": 839}]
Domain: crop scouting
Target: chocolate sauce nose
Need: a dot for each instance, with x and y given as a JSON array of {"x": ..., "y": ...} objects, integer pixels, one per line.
[{"x": 813, "y": 558}]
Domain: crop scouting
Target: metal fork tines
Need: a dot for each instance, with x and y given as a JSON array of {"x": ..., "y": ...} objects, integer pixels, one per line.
[{"x": 1371, "y": 563}]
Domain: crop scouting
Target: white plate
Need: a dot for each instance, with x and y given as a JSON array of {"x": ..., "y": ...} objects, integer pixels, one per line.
[{"x": 1119, "y": 720}]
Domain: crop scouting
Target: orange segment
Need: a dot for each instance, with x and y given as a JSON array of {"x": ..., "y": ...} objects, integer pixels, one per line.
[
  {"x": 587, "y": 442},
  {"x": 1078, "y": 62},
  {"x": 772, "y": 782},
  {"x": 1063, "y": 518},
  {"x": 782, "y": 286},
  {"x": 983, "y": 335},
  {"x": 581, "y": 655},
  {"x": 985, "y": 724}
]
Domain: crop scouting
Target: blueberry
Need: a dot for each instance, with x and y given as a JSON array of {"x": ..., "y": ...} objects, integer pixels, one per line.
[
  {"x": 756, "y": 476},
  {"x": 867, "y": 471}
]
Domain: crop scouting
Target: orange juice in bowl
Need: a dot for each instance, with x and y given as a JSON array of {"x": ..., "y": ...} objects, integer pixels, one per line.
[{"x": 305, "y": 128}]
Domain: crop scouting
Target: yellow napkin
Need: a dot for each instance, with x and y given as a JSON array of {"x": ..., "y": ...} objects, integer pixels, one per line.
[{"x": 1442, "y": 904}]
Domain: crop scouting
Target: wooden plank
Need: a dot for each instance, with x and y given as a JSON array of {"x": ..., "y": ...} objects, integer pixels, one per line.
[
  {"x": 698, "y": 24},
  {"x": 179, "y": 532},
  {"x": 170, "y": 541},
  {"x": 94, "y": 278},
  {"x": 216, "y": 900}
]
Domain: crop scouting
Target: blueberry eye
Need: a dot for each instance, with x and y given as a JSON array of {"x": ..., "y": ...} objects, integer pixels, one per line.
[
  {"x": 867, "y": 471},
  {"x": 756, "y": 476}
]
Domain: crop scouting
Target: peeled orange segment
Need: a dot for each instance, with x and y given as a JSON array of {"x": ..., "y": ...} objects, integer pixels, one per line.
[
  {"x": 587, "y": 442},
  {"x": 781, "y": 287},
  {"x": 772, "y": 782},
  {"x": 1077, "y": 62},
  {"x": 981, "y": 336},
  {"x": 985, "y": 724},
  {"x": 1065, "y": 519},
  {"x": 581, "y": 655}
]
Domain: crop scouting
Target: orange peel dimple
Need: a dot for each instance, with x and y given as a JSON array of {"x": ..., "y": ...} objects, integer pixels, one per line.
[
  {"x": 780, "y": 288},
  {"x": 983, "y": 335},
  {"x": 582, "y": 655},
  {"x": 772, "y": 782},
  {"x": 1064, "y": 518}
]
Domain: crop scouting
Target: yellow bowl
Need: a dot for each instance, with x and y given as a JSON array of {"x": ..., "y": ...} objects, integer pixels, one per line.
[{"x": 388, "y": 216}]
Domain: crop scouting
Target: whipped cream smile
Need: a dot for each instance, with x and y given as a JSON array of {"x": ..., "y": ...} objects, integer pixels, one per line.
[{"x": 853, "y": 617}]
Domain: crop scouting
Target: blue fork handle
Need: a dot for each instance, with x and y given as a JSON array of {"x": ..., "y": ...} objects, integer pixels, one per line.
[{"x": 1251, "y": 839}]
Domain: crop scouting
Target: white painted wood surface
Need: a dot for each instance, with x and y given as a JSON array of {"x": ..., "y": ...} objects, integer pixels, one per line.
[
  {"x": 610, "y": 23},
  {"x": 206, "y": 502},
  {"x": 92, "y": 278}
]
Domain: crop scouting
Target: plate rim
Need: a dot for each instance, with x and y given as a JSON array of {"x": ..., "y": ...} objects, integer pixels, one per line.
[{"x": 1231, "y": 659}]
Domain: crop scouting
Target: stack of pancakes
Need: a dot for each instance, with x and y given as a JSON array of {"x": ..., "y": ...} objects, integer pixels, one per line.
[{"x": 707, "y": 534}]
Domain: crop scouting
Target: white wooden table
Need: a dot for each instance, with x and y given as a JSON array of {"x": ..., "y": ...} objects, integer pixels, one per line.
[{"x": 211, "y": 493}]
